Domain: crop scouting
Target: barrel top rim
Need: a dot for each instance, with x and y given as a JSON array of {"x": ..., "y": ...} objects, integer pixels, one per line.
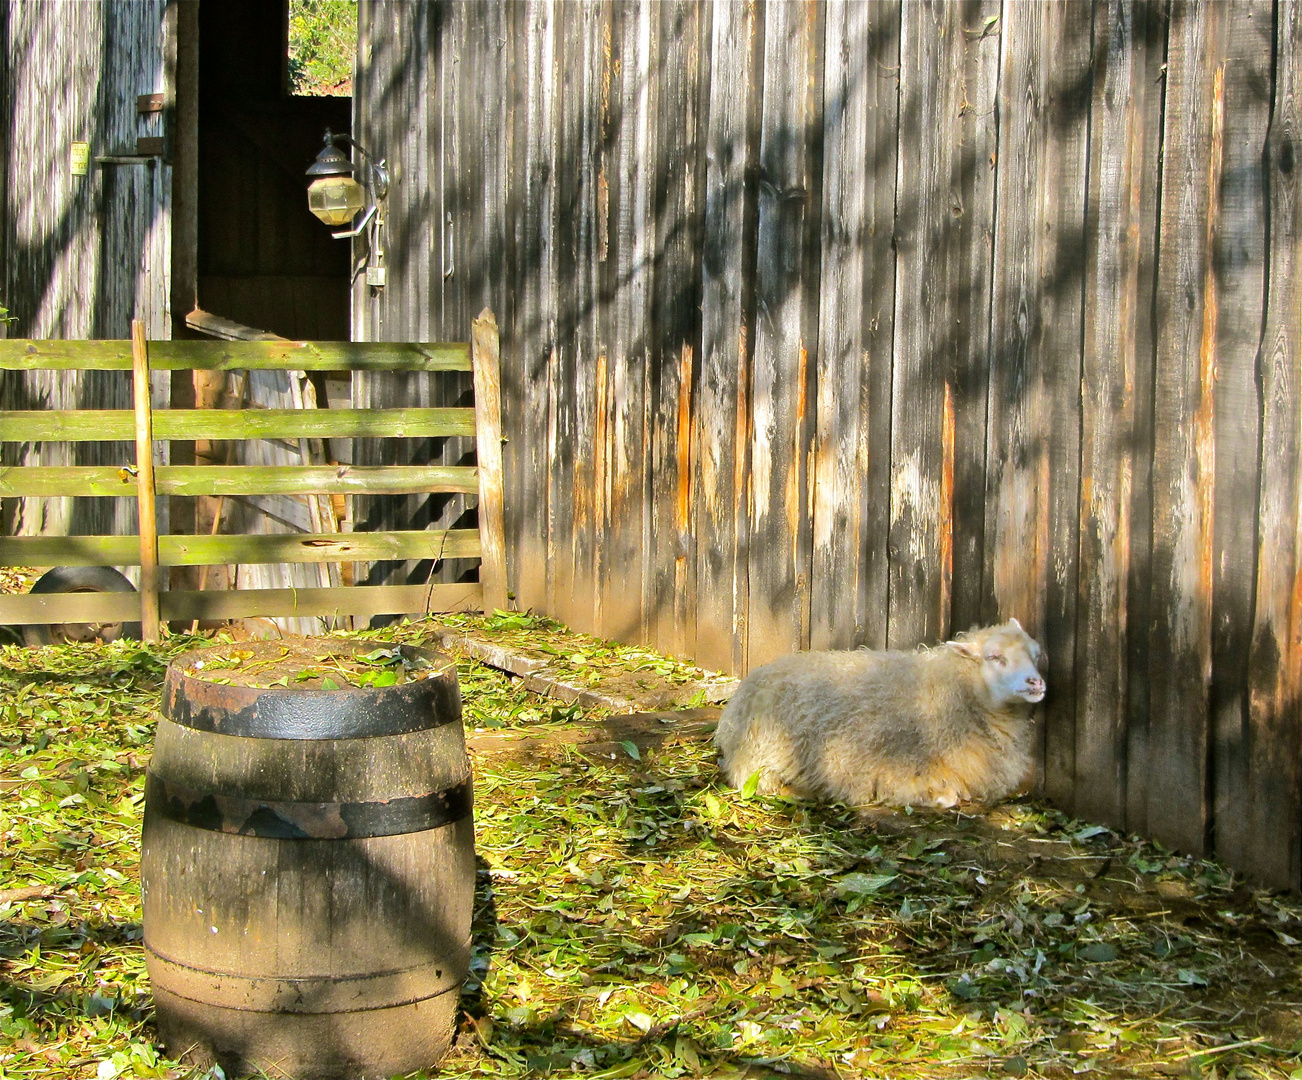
[{"x": 293, "y": 712}]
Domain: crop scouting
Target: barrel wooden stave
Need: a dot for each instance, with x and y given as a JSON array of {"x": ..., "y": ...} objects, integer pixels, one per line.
[{"x": 337, "y": 957}]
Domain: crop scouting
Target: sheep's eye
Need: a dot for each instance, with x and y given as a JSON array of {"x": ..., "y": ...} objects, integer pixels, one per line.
[{"x": 997, "y": 658}]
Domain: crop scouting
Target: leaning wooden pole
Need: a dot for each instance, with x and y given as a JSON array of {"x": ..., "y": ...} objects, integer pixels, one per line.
[
  {"x": 485, "y": 359},
  {"x": 147, "y": 510}
]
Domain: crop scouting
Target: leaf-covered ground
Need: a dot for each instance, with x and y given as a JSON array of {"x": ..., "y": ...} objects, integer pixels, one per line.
[{"x": 637, "y": 918}]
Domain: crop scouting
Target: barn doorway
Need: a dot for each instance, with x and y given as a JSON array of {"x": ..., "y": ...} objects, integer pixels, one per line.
[{"x": 262, "y": 259}]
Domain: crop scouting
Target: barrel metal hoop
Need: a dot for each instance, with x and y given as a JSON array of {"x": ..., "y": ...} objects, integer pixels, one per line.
[
  {"x": 314, "y": 994},
  {"x": 345, "y": 713},
  {"x": 280, "y": 820}
]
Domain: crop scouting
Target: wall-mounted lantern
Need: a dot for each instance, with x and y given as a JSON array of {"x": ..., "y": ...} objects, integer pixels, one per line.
[{"x": 334, "y": 194}]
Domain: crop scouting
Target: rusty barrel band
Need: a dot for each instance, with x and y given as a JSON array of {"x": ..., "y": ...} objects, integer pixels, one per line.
[
  {"x": 346, "y": 713},
  {"x": 278, "y": 820},
  {"x": 314, "y": 994}
]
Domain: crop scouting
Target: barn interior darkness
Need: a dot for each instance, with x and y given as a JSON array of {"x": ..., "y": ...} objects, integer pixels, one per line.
[{"x": 263, "y": 259}]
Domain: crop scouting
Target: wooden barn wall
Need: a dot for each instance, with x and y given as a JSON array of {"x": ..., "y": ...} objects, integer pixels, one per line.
[
  {"x": 840, "y": 324},
  {"x": 82, "y": 255}
]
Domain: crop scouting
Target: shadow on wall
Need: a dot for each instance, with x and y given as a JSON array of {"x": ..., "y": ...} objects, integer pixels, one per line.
[{"x": 83, "y": 255}]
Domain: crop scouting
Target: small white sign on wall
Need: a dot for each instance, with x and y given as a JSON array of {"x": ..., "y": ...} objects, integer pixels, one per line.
[{"x": 80, "y": 159}]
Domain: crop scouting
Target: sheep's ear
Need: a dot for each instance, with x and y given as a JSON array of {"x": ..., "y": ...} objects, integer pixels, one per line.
[
  {"x": 1014, "y": 622},
  {"x": 970, "y": 649}
]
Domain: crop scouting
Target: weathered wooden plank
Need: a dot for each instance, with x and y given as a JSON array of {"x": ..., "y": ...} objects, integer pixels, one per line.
[
  {"x": 94, "y": 425},
  {"x": 674, "y": 318},
  {"x": 851, "y": 484},
  {"x": 35, "y": 609},
  {"x": 574, "y": 528},
  {"x": 1184, "y": 448},
  {"x": 1238, "y": 254},
  {"x": 722, "y": 508},
  {"x": 488, "y": 421},
  {"x": 1086, "y": 762},
  {"x": 106, "y": 481},
  {"x": 786, "y": 328},
  {"x": 298, "y": 603},
  {"x": 1271, "y": 833},
  {"x": 948, "y": 63},
  {"x": 260, "y": 548},
  {"x": 199, "y": 355},
  {"x": 635, "y": 93},
  {"x": 146, "y": 499},
  {"x": 1033, "y": 452},
  {"x": 43, "y": 608},
  {"x": 527, "y": 366},
  {"x": 727, "y": 317}
]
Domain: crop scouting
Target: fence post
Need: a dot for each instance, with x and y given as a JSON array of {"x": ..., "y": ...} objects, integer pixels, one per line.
[
  {"x": 146, "y": 510},
  {"x": 485, "y": 359}
]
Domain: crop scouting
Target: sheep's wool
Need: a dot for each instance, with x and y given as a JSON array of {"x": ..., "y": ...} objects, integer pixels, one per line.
[{"x": 928, "y": 728}]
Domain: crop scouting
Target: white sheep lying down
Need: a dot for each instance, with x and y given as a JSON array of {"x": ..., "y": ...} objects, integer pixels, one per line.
[{"x": 933, "y": 727}]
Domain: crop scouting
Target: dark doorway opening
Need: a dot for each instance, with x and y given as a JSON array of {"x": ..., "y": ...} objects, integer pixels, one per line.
[{"x": 263, "y": 259}]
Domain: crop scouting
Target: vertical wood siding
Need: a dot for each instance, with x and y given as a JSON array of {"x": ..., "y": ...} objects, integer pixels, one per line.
[
  {"x": 83, "y": 255},
  {"x": 834, "y": 324}
]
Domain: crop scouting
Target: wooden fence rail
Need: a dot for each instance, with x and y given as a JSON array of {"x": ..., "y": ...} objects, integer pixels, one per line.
[{"x": 143, "y": 481}]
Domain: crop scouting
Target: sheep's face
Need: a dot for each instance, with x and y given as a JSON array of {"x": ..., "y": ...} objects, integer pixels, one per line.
[{"x": 1011, "y": 661}]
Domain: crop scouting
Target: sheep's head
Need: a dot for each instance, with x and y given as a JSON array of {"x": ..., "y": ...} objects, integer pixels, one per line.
[{"x": 1011, "y": 662}]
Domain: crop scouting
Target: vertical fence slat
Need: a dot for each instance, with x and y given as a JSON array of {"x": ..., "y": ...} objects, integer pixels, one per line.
[
  {"x": 851, "y": 497},
  {"x": 1184, "y": 452},
  {"x": 632, "y": 148},
  {"x": 1275, "y": 662},
  {"x": 785, "y": 284},
  {"x": 1239, "y": 262},
  {"x": 533, "y": 279},
  {"x": 944, "y": 217},
  {"x": 720, "y": 502},
  {"x": 1085, "y": 763},
  {"x": 1033, "y": 460},
  {"x": 674, "y": 321},
  {"x": 145, "y": 496},
  {"x": 583, "y": 180}
]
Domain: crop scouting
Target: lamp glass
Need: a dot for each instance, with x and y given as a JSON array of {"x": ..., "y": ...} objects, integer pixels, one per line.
[{"x": 336, "y": 200}]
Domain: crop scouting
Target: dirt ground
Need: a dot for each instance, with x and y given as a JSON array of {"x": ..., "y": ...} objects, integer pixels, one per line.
[{"x": 636, "y": 917}]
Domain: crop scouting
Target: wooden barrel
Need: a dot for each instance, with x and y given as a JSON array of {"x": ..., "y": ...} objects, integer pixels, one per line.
[{"x": 308, "y": 871}]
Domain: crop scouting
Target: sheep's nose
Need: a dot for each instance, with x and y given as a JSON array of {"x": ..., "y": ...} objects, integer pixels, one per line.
[{"x": 1035, "y": 684}]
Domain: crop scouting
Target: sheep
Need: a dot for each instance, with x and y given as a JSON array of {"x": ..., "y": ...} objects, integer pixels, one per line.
[{"x": 933, "y": 727}]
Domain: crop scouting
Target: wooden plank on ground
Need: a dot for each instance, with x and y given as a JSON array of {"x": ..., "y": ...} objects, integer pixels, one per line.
[
  {"x": 96, "y": 425},
  {"x": 948, "y": 63},
  {"x": 1086, "y": 762},
  {"x": 1184, "y": 449},
  {"x": 1274, "y": 851},
  {"x": 786, "y": 328},
  {"x": 727, "y": 317},
  {"x": 105, "y": 480},
  {"x": 851, "y": 486},
  {"x": 300, "y": 603},
  {"x": 180, "y": 355},
  {"x": 1239, "y": 262}
]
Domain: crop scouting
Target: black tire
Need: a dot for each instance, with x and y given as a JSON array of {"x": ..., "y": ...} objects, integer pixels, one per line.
[{"x": 80, "y": 579}]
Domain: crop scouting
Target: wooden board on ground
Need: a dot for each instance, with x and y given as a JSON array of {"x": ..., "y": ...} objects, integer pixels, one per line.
[{"x": 607, "y": 739}]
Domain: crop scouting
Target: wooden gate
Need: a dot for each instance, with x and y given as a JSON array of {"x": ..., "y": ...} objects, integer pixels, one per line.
[{"x": 146, "y": 482}]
